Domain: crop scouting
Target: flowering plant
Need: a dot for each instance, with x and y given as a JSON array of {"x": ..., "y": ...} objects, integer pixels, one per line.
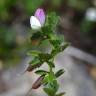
[{"x": 45, "y": 30}]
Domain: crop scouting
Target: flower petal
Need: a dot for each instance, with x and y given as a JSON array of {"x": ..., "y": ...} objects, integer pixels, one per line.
[
  {"x": 40, "y": 15},
  {"x": 35, "y": 23}
]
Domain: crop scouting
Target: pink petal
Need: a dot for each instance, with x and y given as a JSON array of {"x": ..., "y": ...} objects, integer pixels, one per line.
[{"x": 40, "y": 15}]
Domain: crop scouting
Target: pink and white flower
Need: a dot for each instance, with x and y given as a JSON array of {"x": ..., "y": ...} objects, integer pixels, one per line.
[{"x": 38, "y": 20}]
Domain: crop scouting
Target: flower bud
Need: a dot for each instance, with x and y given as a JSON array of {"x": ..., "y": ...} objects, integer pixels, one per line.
[
  {"x": 38, "y": 82},
  {"x": 38, "y": 20},
  {"x": 40, "y": 15},
  {"x": 35, "y": 23}
]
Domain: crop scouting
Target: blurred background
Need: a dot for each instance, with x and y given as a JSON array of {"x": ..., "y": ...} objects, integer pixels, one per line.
[{"x": 77, "y": 24}]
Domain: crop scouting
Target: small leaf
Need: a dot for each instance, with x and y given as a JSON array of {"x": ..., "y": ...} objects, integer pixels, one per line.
[
  {"x": 59, "y": 73},
  {"x": 55, "y": 43},
  {"x": 49, "y": 77},
  {"x": 45, "y": 56},
  {"x": 51, "y": 88},
  {"x": 53, "y": 36},
  {"x": 52, "y": 20},
  {"x": 35, "y": 61},
  {"x": 34, "y": 52},
  {"x": 41, "y": 72},
  {"x": 36, "y": 36}
]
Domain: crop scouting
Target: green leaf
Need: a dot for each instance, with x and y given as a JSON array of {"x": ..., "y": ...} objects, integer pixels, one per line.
[
  {"x": 44, "y": 56},
  {"x": 56, "y": 2},
  {"x": 46, "y": 30},
  {"x": 55, "y": 43},
  {"x": 51, "y": 88},
  {"x": 34, "y": 52},
  {"x": 36, "y": 36},
  {"x": 41, "y": 72},
  {"x": 35, "y": 61},
  {"x": 87, "y": 26},
  {"x": 49, "y": 77},
  {"x": 52, "y": 20},
  {"x": 44, "y": 42},
  {"x": 59, "y": 73},
  {"x": 53, "y": 36},
  {"x": 31, "y": 5},
  {"x": 78, "y": 4}
]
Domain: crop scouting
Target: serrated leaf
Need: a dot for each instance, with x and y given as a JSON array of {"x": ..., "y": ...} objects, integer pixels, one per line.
[{"x": 59, "y": 73}]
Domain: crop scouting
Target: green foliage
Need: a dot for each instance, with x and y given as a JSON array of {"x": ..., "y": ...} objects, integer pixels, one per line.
[
  {"x": 7, "y": 41},
  {"x": 56, "y": 2},
  {"x": 51, "y": 22},
  {"x": 47, "y": 33},
  {"x": 78, "y": 4},
  {"x": 4, "y": 7},
  {"x": 31, "y": 5},
  {"x": 87, "y": 26}
]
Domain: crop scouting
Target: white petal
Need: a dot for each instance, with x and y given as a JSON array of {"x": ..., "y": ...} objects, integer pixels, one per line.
[{"x": 35, "y": 23}]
